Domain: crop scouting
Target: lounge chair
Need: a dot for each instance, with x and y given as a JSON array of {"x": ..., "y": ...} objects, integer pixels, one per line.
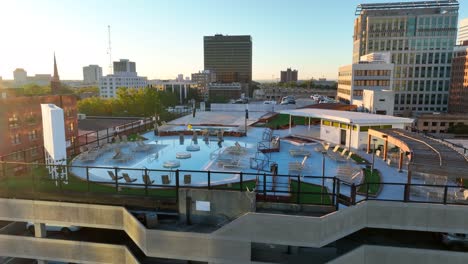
[
  {"x": 141, "y": 147},
  {"x": 165, "y": 179},
  {"x": 147, "y": 180},
  {"x": 232, "y": 164},
  {"x": 335, "y": 149},
  {"x": 349, "y": 155},
  {"x": 187, "y": 179},
  {"x": 127, "y": 178},
  {"x": 113, "y": 177},
  {"x": 377, "y": 153},
  {"x": 344, "y": 152},
  {"x": 296, "y": 166},
  {"x": 120, "y": 156},
  {"x": 237, "y": 149}
]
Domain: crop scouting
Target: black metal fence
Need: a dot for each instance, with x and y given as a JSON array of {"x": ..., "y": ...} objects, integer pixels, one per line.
[
  {"x": 155, "y": 187},
  {"x": 83, "y": 141}
]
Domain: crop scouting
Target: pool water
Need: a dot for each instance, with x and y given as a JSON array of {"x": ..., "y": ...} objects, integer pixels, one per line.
[{"x": 211, "y": 156}]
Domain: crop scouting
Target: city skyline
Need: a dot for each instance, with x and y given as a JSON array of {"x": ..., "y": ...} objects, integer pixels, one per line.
[{"x": 165, "y": 38}]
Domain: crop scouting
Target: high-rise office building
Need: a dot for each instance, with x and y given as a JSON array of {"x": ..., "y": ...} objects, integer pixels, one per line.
[
  {"x": 92, "y": 74},
  {"x": 458, "y": 100},
  {"x": 230, "y": 57},
  {"x": 420, "y": 37},
  {"x": 289, "y": 75},
  {"x": 124, "y": 65},
  {"x": 462, "y": 31}
]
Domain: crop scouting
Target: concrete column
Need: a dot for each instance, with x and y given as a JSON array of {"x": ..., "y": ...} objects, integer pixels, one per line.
[
  {"x": 385, "y": 150},
  {"x": 369, "y": 137},
  {"x": 40, "y": 231},
  {"x": 400, "y": 162},
  {"x": 180, "y": 94}
]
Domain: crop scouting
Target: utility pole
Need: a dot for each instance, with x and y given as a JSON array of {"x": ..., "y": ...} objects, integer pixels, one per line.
[{"x": 109, "y": 48}]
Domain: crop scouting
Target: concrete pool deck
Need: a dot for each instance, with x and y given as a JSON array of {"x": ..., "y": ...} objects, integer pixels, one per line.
[{"x": 218, "y": 119}]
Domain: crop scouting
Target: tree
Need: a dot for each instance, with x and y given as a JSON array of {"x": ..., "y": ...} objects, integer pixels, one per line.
[{"x": 95, "y": 106}]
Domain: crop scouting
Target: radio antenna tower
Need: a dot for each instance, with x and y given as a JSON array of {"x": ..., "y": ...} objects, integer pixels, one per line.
[{"x": 109, "y": 49}]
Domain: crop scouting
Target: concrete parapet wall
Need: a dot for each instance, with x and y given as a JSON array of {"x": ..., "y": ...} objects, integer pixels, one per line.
[
  {"x": 64, "y": 250},
  {"x": 224, "y": 205},
  {"x": 381, "y": 254},
  {"x": 232, "y": 242}
]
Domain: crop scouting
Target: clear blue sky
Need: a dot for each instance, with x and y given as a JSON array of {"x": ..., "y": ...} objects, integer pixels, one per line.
[{"x": 165, "y": 37}]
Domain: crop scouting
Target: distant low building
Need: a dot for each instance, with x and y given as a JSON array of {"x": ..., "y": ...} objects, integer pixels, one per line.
[
  {"x": 289, "y": 76},
  {"x": 202, "y": 79},
  {"x": 437, "y": 123},
  {"x": 92, "y": 74},
  {"x": 225, "y": 90},
  {"x": 276, "y": 93},
  {"x": 20, "y": 77},
  {"x": 125, "y": 75},
  {"x": 323, "y": 82},
  {"x": 182, "y": 88}
]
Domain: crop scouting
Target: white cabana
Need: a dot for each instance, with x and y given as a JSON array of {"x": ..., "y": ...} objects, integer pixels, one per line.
[{"x": 347, "y": 128}]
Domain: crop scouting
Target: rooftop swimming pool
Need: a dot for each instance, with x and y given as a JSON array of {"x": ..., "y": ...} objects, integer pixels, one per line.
[{"x": 225, "y": 159}]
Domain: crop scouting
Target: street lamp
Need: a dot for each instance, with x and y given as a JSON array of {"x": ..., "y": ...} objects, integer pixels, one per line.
[
  {"x": 323, "y": 175},
  {"x": 373, "y": 154},
  {"x": 246, "y": 117}
]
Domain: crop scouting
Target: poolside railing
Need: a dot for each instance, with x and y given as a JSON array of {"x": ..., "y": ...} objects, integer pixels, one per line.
[{"x": 155, "y": 188}]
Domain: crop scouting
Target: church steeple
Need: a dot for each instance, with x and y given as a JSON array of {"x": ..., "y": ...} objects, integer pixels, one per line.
[
  {"x": 55, "y": 82},
  {"x": 56, "y": 76}
]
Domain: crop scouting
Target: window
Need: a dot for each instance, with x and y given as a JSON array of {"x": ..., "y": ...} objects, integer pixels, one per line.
[
  {"x": 425, "y": 123},
  {"x": 13, "y": 121},
  {"x": 434, "y": 123},
  {"x": 15, "y": 139},
  {"x": 31, "y": 119},
  {"x": 34, "y": 152},
  {"x": 32, "y": 135},
  {"x": 442, "y": 124}
]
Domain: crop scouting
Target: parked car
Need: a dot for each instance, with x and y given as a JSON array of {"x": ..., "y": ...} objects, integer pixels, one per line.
[
  {"x": 65, "y": 229},
  {"x": 241, "y": 101},
  {"x": 455, "y": 240},
  {"x": 316, "y": 97},
  {"x": 288, "y": 100}
]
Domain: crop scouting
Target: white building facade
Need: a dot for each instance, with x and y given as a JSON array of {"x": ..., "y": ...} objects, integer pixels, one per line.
[
  {"x": 462, "y": 31},
  {"x": 124, "y": 76},
  {"x": 379, "y": 102},
  {"x": 374, "y": 72},
  {"x": 92, "y": 74}
]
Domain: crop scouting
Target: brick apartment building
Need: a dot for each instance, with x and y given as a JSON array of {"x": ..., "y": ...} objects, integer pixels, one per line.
[{"x": 21, "y": 124}]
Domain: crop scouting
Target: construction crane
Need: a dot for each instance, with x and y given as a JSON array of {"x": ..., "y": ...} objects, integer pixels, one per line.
[{"x": 109, "y": 49}]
